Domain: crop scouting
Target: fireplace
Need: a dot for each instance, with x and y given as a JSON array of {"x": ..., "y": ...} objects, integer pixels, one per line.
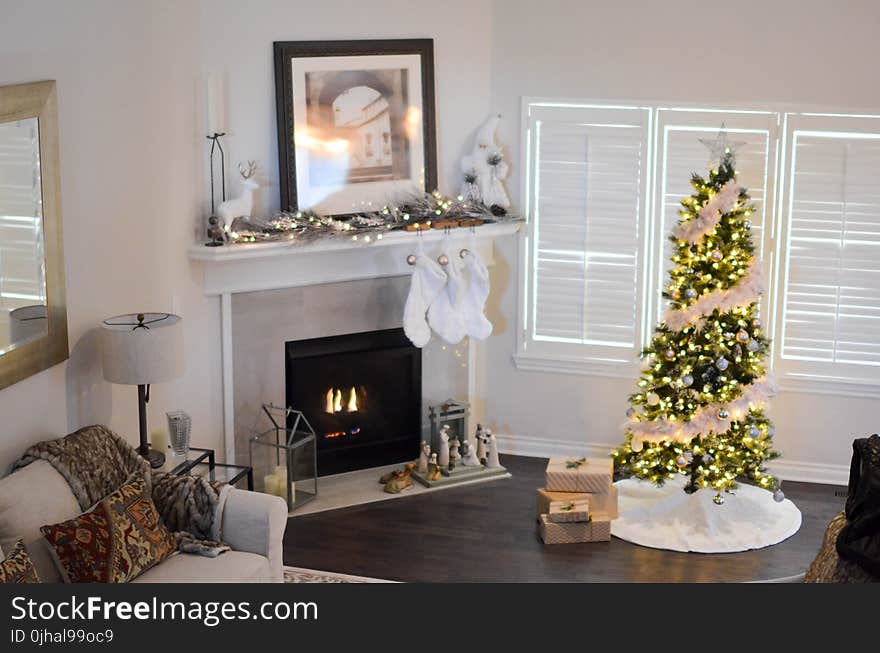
[{"x": 362, "y": 393}]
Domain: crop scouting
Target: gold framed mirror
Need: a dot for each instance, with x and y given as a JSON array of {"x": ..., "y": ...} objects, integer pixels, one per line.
[{"x": 33, "y": 309}]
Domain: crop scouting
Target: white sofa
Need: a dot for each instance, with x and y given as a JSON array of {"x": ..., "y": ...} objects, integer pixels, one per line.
[{"x": 253, "y": 525}]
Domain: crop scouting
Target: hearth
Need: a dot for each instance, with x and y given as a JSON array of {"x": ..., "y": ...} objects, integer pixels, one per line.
[{"x": 362, "y": 393}]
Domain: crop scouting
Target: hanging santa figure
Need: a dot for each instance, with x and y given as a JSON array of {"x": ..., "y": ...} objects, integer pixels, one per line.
[{"x": 484, "y": 169}]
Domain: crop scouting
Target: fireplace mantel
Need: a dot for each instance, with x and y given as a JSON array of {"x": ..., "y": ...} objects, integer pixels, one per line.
[{"x": 271, "y": 266}]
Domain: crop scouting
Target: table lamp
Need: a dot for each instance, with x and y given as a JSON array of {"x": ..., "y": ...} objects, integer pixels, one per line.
[{"x": 141, "y": 349}]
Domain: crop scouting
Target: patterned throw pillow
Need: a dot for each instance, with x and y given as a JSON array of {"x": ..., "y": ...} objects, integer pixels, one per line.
[
  {"x": 117, "y": 540},
  {"x": 17, "y": 567}
]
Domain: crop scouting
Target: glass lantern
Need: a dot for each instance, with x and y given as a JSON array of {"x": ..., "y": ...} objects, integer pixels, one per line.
[{"x": 284, "y": 457}]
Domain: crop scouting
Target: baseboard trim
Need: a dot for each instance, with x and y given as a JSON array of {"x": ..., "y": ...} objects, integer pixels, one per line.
[{"x": 788, "y": 470}]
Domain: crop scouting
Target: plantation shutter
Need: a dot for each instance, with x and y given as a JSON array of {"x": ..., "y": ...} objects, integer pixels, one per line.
[
  {"x": 587, "y": 174},
  {"x": 831, "y": 301},
  {"x": 681, "y": 153},
  {"x": 20, "y": 215}
]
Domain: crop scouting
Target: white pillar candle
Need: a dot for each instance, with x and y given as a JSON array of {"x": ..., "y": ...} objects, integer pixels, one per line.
[
  {"x": 159, "y": 440},
  {"x": 270, "y": 484},
  {"x": 216, "y": 105}
]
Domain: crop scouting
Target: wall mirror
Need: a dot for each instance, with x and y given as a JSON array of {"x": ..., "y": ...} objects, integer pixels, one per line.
[{"x": 33, "y": 314}]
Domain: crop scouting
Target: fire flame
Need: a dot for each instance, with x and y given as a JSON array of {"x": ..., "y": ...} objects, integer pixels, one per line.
[{"x": 333, "y": 401}]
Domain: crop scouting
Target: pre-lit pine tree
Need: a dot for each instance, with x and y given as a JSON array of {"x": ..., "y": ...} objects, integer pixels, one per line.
[{"x": 699, "y": 410}]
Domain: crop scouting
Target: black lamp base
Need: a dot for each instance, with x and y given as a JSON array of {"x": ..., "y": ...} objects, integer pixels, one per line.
[{"x": 156, "y": 458}]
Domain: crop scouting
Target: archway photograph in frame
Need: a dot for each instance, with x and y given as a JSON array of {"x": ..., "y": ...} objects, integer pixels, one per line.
[{"x": 355, "y": 123}]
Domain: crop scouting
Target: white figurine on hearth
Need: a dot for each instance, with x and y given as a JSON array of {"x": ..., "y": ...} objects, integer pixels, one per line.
[
  {"x": 454, "y": 455},
  {"x": 482, "y": 443},
  {"x": 443, "y": 453},
  {"x": 492, "y": 459},
  {"x": 469, "y": 455},
  {"x": 423, "y": 457}
]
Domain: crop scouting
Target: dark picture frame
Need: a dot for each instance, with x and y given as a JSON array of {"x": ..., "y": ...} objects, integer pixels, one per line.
[{"x": 399, "y": 153}]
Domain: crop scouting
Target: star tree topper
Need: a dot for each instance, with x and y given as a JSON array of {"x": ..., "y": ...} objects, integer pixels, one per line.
[{"x": 721, "y": 147}]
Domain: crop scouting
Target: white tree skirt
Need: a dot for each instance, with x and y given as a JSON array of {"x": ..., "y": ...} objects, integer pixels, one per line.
[{"x": 668, "y": 518}]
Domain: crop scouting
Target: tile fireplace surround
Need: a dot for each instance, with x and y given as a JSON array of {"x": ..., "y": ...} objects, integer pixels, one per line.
[{"x": 272, "y": 293}]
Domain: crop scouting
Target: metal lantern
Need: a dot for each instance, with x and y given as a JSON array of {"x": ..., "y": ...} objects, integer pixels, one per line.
[{"x": 284, "y": 457}]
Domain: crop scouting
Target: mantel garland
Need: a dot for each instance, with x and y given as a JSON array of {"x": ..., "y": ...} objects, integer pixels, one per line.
[{"x": 430, "y": 211}]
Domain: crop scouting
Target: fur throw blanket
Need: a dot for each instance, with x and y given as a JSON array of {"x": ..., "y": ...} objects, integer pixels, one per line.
[{"x": 95, "y": 461}]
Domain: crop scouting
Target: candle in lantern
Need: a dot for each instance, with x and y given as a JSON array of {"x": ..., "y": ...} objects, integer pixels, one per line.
[{"x": 271, "y": 484}]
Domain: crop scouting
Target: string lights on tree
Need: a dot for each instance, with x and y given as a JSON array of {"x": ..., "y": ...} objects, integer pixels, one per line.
[{"x": 700, "y": 406}]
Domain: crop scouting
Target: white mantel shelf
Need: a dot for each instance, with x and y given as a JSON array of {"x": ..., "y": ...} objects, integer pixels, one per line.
[
  {"x": 268, "y": 266},
  {"x": 233, "y": 269}
]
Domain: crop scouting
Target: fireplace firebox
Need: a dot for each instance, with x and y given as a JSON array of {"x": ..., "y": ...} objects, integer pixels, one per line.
[{"x": 362, "y": 393}]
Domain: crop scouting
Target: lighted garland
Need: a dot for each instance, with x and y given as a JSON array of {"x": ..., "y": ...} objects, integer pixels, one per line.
[
  {"x": 699, "y": 410},
  {"x": 412, "y": 213}
]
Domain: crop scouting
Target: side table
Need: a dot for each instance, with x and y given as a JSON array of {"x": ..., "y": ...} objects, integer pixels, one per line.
[{"x": 202, "y": 462}]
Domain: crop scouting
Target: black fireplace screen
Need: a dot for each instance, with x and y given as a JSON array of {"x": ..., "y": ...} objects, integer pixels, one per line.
[{"x": 362, "y": 393}]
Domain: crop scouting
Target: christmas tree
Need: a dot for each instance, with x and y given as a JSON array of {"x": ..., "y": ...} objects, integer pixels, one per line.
[{"x": 699, "y": 410}]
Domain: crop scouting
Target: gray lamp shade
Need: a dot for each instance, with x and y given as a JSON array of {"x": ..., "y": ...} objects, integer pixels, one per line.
[{"x": 134, "y": 353}]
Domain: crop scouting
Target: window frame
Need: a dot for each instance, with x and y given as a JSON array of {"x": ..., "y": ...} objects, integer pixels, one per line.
[
  {"x": 573, "y": 358},
  {"x": 817, "y": 377}
]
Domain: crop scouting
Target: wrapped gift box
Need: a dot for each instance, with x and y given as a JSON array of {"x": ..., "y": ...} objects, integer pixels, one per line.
[
  {"x": 569, "y": 511},
  {"x": 605, "y": 502},
  {"x": 553, "y": 533},
  {"x": 579, "y": 475},
  {"x": 598, "y": 529}
]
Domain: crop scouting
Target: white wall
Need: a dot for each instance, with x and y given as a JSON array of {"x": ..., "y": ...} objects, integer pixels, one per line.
[
  {"x": 792, "y": 51},
  {"x": 125, "y": 74}
]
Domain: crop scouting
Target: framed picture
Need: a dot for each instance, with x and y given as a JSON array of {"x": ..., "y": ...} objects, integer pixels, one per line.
[{"x": 355, "y": 123}]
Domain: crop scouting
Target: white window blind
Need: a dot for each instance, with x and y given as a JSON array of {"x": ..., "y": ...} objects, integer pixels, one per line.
[
  {"x": 587, "y": 180},
  {"x": 831, "y": 297},
  {"x": 680, "y": 154}
]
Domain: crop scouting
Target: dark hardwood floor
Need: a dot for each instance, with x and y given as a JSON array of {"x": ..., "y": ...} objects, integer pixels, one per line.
[{"x": 487, "y": 533}]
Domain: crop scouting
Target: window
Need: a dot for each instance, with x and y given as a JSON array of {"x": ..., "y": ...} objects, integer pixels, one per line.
[
  {"x": 587, "y": 189},
  {"x": 603, "y": 186},
  {"x": 830, "y": 272}
]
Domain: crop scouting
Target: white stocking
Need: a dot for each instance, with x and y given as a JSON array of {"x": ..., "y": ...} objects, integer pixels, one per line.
[
  {"x": 428, "y": 282},
  {"x": 444, "y": 315},
  {"x": 476, "y": 292}
]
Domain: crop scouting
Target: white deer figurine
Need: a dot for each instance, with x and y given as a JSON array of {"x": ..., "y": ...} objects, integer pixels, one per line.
[{"x": 241, "y": 206}]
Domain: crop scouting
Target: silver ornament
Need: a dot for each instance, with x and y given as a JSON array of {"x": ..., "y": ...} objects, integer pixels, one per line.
[
  {"x": 690, "y": 293},
  {"x": 778, "y": 496},
  {"x": 681, "y": 461},
  {"x": 756, "y": 323},
  {"x": 723, "y": 413},
  {"x": 753, "y": 345},
  {"x": 754, "y": 432},
  {"x": 722, "y": 363},
  {"x": 653, "y": 399},
  {"x": 630, "y": 412},
  {"x": 716, "y": 255},
  {"x": 747, "y": 224},
  {"x": 687, "y": 380},
  {"x": 669, "y": 354},
  {"x": 742, "y": 336},
  {"x": 718, "y": 500},
  {"x": 771, "y": 431},
  {"x": 707, "y": 459}
]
